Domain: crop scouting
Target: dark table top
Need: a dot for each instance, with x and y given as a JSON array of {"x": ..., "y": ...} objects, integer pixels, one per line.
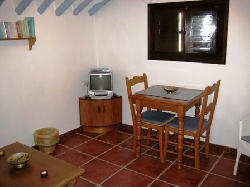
[{"x": 60, "y": 173}]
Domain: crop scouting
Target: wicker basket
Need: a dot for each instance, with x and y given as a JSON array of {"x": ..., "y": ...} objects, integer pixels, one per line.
[
  {"x": 46, "y": 139},
  {"x": 47, "y": 150}
]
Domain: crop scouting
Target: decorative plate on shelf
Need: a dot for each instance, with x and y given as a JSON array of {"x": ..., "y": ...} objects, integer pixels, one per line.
[
  {"x": 19, "y": 160},
  {"x": 171, "y": 89}
]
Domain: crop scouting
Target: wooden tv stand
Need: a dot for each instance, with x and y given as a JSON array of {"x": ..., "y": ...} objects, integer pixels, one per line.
[{"x": 98, "y": 116}]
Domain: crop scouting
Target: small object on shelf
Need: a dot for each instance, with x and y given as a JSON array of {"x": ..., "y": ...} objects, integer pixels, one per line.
[
  {"x": 19, "y": 160},
  {"x": 3, "y": 34},
  {"x": 31, "y": 25}
]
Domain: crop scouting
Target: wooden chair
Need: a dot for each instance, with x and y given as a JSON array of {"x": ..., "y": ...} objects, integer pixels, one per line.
[
  {"x": 196, "y": 127},
  {"x": 244, "y": 140},
  {"x": 151, "y": 119}
]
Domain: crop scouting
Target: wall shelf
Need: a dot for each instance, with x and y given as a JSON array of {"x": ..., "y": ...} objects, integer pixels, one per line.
[{"x": 31, "y": 41}]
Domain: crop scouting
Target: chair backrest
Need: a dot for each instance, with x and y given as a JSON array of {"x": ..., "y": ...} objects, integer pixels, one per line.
[
  {"x": 244, "y": 133},
  {"x": 130, "y": 83},
  {"x": 209, "y": 102},
  {"x": 244, "y": 128}
]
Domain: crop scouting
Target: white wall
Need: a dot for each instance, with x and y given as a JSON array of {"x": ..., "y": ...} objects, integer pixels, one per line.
[
  {"x": 40, "y": 88},
  {"x": 122, "y": 44}
]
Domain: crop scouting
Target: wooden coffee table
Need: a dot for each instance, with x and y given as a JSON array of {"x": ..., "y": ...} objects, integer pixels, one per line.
[{"x": 60, "y": 173}]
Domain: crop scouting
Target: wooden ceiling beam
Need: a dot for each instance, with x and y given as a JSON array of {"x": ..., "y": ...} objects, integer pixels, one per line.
[
  {"x": 81, "y": 6},
  {"x": 64, "y": 6},
  {"x": 22, "y": 6},
  {"x": 45, "y": 4},
  {"x": 1, "y": 2},
  {"x": 61, "y": 8},
  {"x": 97, "y": 6}
]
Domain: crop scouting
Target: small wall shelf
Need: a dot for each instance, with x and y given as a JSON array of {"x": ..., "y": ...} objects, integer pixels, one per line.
[{"x": 31, "y": 41}]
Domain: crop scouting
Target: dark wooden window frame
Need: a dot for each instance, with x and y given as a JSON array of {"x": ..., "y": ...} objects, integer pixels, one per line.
[{"x": 221, "y": 7}]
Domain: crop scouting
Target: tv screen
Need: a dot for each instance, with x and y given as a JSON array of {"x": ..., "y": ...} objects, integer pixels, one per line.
[{"x": 100, "y": 82}]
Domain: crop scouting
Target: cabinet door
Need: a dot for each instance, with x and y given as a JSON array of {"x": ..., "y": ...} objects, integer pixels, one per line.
[
  {"x": 112, "y": 111},
  {"x": 95, "y": 110},
  {"x": 84, "y": 118},
  {"x": 107, "y": 112},
  {"x": 100, "y": 113},
  {"x": 90, "y": 113},
  {"x": 117, "y": 110}
]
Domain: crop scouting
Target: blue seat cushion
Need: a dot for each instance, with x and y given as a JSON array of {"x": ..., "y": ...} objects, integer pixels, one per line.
[
  {"x": 246, "y": 138},
  {"x": 157, "y": 117},
  {"x": 190, "y": 123}
]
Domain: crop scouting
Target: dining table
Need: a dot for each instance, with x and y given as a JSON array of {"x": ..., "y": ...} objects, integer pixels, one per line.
[{"x": 179, "y": 102}]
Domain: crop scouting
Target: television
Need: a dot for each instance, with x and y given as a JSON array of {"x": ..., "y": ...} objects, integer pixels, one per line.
[{"x": 100, "y": 83}]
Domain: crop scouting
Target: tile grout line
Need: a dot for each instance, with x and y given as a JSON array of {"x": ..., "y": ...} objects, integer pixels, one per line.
[
  {"x": 97, "y": 157},
  {"x": 121, "y": 167},
  {"x": 209, "y": 172},
  {"x": 229, "y": 178},
  {"x": 172, "y": 163},
  {"x": 221, "y": 157},
  {"x": 88, "y": 180},
  {"x": 146, "y": 152},
  {"x": 158, "y": 177}
]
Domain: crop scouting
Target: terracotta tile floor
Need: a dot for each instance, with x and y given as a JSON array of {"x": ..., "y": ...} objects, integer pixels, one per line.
[{"x": 108, "y": 160}]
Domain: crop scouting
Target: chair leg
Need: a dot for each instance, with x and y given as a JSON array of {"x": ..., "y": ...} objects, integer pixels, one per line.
[
  {"x": 148, "y": 136},
  {"x": 236, "y": 162},
  {"x": 207, "y": 144},
  {"x": 161, "y": 142},
  {"x": 165, "y": 147},
  {"x": 176, "y": 141},
  {"x": 197, "y": 153},
  {"x": 134, "y": 140}
]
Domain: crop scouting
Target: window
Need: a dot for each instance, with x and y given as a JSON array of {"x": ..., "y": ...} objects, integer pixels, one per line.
[{"x": 194, "y": 31}]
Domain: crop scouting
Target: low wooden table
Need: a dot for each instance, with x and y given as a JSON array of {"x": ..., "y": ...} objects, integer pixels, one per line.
[{"x": 60, "y": 173}]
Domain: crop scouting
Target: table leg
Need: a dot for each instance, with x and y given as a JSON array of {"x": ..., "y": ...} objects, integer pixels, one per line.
[
  {"x": 197, "y": 109},
  {"x": 180, "y": 140},
  {"x": 138, "y": 129}
]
